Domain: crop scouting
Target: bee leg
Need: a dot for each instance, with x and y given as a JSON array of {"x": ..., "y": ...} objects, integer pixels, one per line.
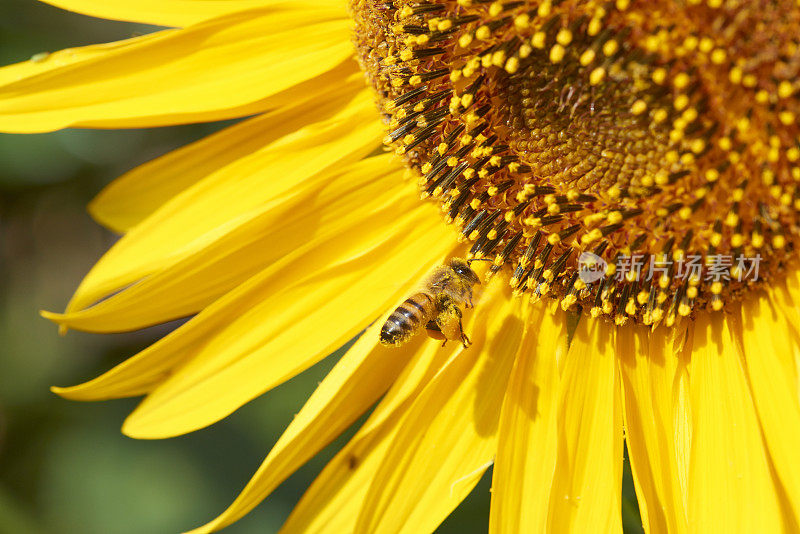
[
  {"x": 434, "y": 332},
  {"x": 464, "y": 339}
]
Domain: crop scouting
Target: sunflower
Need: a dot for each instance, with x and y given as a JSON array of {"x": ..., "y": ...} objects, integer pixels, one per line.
[{"x": 629, "y": 170}]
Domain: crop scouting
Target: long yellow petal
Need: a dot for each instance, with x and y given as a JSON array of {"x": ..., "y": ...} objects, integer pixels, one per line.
[
  {"x": 137, "y": 194},
  {"x": 333, "y": 502},
  {"x": 526, "y": 454},
  {"x": 770, "y": 344},
  {"x": 449, "y": 436},
  {"x": 587, "y": 485},
  {"x": 177, "y": 13},
  {"x": 289, "y": 321},
  {"x": 217, "y": 205},
  {"x": 363, "y": 374},
  {"x": 730, "y": 485},
  {"x": 337, "y": 204},
  {"x": 222, "y": 68},
  {"x": 653, "y": 375}
]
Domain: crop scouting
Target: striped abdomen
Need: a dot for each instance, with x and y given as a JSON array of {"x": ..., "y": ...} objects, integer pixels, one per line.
[{"x": 408, "y": 319}]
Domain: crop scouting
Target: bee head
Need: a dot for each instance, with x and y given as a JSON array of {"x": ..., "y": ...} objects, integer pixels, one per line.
[{"x": 462, "y": 268}]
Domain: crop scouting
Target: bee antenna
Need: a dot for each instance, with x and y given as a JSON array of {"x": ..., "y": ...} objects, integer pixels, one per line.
[{"x": 469, "y": 262}]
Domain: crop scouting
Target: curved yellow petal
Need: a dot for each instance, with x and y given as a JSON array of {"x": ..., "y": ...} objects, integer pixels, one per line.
[
  {"x": 277, "y": 327},
  {"x": 653, "y": 377},
  {"x": 587, "y": 483},
  {"x": 770, "y": 346},
  {"x": 449, "y": 436},
  {"x": 177, "y": 13},
  {"x": 363, "y": 374},
  {"x": 333, "y": 502},
  {"x": 526, "y": 453},
  {"x": 138, "y": 193},
  {"x": 731, "y": 488},
  {"x": 222, "y": 68},
  {"x": 215, "y": 206},
  {"x": 334, "y": 204}
]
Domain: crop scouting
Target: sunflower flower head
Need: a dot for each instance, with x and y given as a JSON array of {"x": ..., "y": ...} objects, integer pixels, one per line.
[
  {"x": 629, "y": 170},
  {"x": 638, "y": 132}
]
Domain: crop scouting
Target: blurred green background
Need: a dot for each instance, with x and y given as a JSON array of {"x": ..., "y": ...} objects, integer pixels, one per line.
[{"x": 64, "y": 466}]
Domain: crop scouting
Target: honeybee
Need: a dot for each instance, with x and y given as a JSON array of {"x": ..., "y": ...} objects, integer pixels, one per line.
[{"x": 437, "y": 307}]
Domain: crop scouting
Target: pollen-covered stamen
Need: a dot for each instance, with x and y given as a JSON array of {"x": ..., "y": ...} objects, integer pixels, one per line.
[{"x": 658, "y": 138}]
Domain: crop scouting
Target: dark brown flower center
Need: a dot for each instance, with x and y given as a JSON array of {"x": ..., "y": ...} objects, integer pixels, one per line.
[{"x": 637, "y": 159}]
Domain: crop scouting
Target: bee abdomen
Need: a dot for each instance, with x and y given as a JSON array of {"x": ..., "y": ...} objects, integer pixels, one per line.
[{"x": 408, "y": 319}]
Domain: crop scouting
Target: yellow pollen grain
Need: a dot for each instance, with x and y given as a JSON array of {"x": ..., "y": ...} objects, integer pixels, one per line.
[
  {"x": 785, "y": 89},
  {"x": 787, "y": 117},
  {"x": 735, "y": 75},
  {"x": 659, "y": 75},
  {"x": 564, "y": 37},
  {"x": 545, "y": 8},
  {"x": 697, "y": 146},
  {"x": 465, "y": 40},
  {"x": 587, "y": 57},
  {"x": 499, "y": 58},
  {"x": 597, "y": 76},
  {"x": 557, "y": 53},
  {"x": 610, "y": 47},
  {"x": 483, "y": 33},
  {"x": 594, "y": 27},
  {"x": 538, "y": 40},
  {"x": 639, "y": 107},
  {"x": 512, "y": 65},
  {"x": 522, "y": 21},
  {"x": 718, "y": 56},
  {"x": 750, "y": 80},
  {"x": 705, "y": 45},
  {"x": 681, "y": 101}
]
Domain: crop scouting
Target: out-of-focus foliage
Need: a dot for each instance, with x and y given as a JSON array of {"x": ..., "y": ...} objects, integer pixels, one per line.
[{"x": 64, "y": 466}]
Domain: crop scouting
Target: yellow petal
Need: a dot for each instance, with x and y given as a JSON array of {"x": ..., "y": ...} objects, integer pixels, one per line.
[
  {"x": 363, "y": 374},
  {"x": 281, "y": 324},
  {"x": 220, "y": 203},
  {"x": 731, "y": 488},
  {"x": 137, "y": 194},
  {"x": 218, "y": 69},
  {"x": 770, "y": 345},
  {"x": 587, "y": 485},
  {"x": 335, "y": 204},
  {"x": 526, "y": 454},
  {"x": 653, "y": 376},
  {"x": 449, "y": 436},
  {"x": 333, "y": 502},
  {"x": 177, "y": 13}
]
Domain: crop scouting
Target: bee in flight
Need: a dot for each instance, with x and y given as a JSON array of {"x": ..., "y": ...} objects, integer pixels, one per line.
[{"x": 436, "y": 307}]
